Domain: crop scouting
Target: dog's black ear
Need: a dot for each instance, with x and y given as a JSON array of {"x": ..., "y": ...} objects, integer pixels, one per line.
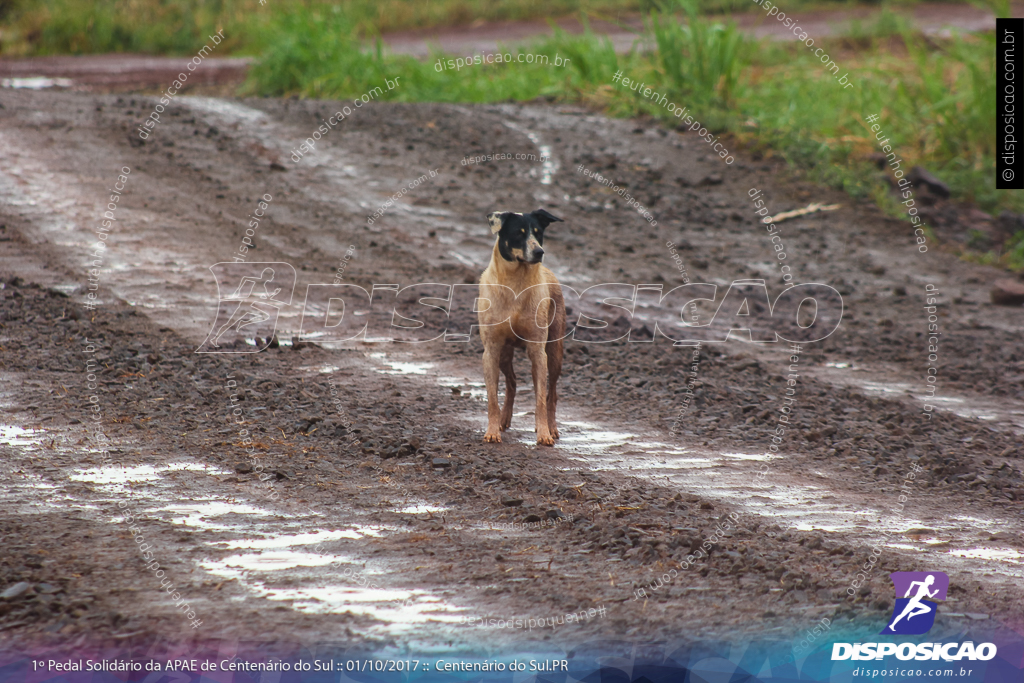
[
  {"x": 497, "y": 219},
  {"x": 545, "y": 218}
]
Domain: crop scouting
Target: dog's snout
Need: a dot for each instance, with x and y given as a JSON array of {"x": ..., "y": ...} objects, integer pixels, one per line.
[{"x": 538, "y": 254}]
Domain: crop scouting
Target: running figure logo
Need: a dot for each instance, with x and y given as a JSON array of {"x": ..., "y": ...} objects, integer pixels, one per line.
[
  {"x": 251, "y": 307},
  {"x": 914, "y": 613}
]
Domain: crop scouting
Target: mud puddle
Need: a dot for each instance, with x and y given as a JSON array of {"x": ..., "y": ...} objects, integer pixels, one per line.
[{"x": 801, "y": 503}]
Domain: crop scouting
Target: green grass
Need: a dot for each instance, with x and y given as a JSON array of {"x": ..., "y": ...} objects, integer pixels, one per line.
[{"x": 177, "y": 27}]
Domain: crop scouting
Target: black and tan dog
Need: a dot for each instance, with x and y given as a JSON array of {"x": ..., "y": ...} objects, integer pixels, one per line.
[{"x": 526, "y": 310}]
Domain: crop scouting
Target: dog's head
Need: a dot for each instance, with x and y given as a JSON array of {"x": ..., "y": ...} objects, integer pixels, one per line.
[{"x": 521, "y": 235}]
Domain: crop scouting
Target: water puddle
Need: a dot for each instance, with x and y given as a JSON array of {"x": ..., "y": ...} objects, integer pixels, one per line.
[
  {"x": 320, "y": 369},
  {"x": 400, "y": 610},
  {"x": 273, "y": 572},
  {"x": 273, "y": 560},
  {"x": 30, "y": 481},
  {"x": 420, "y": 509},
  {"x": 395, "y": 367},
  {"x": 17, "y": 436},
  {"x": 878, "y": 380},
  {"x": 116, "y": 475},
  {"x": 119, "y": 479},
  {"x": 36, "y": 83},
  {"x": 994, "y": 554},
  {"x": 229, "y": 111},
  {"x": 732, "y": 477},
  {"x": 288, "y": 541},
  {"x": 465, "y": 386},
  {"x": 201, "y": 515}
]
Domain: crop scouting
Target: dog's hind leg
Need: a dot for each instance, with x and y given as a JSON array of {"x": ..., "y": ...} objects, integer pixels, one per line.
[
  {"x": 493, "y": 434},
  {"x": 539, "y": 364},
  {"x": 554, "y": 354},
  {"x": 554, "y": 349},
  {"x": 505, "y": 365}
]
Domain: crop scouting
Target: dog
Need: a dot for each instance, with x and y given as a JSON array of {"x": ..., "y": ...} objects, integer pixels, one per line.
[{"x": 523, "y": 295}]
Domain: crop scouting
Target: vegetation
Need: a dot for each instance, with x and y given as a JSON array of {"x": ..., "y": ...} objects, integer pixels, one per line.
[{"x": 45, "y": 27}]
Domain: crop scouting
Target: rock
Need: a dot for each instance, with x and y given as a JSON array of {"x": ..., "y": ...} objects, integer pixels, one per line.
[
  {"x": 556, "y": 514},
  {"x": 977, "y": 616},
  {"x": 16, "y": 591},
  {"x": 1007, "y": 293},
  {"x": 441, "y": 462},
  {"x": 47, "y": 588},
  {"x": 922, "y": 178},
  {"x": 243, "y": 468},
  {"x": 531, "y": 519},
  {"x": 511, "y": 502}
]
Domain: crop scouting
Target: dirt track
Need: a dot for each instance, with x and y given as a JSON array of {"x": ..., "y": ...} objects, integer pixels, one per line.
[{"x": 404, "y": 496}]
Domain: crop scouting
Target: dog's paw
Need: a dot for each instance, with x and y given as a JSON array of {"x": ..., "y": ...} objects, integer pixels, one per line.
[
  {"x": 555, "y": 434},
  {"x": 545, "y": 440},
  {"x": 492, "y": 437}
]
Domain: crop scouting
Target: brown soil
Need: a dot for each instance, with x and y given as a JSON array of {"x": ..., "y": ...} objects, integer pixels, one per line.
[{"x": 393, "y": 479}]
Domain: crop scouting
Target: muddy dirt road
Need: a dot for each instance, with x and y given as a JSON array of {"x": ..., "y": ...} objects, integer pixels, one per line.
[{"x": 383, "y": 521}]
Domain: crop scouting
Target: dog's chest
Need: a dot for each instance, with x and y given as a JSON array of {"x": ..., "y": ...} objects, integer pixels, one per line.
[{"x": 526, "y": 307}]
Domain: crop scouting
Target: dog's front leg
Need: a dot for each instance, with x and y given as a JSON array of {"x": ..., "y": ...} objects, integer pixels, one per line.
[
  {"x": 539, "y": 365},
  {"x": 491, "y": 357}
]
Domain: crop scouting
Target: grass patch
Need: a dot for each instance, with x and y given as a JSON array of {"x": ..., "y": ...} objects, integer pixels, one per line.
[{"x": 178, "y": 27}]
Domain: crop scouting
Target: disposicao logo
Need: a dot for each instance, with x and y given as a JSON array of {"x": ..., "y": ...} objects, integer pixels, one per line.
[{"x": 914, "y": 614}]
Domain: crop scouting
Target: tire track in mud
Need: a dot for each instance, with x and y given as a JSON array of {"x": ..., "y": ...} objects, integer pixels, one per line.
[{"x": 320, "y": 207}]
